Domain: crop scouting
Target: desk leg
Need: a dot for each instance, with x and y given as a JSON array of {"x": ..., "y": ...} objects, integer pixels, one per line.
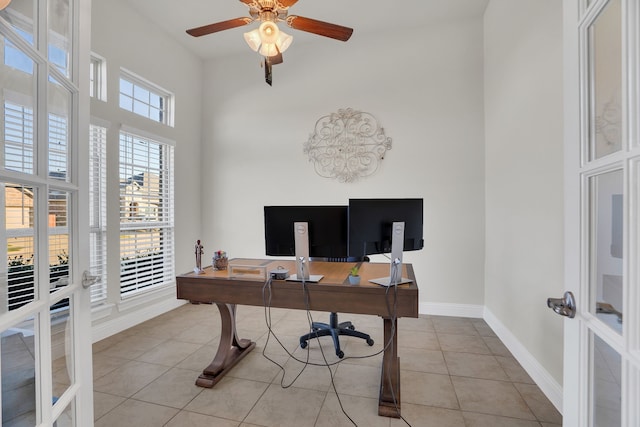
[
  {"x": 389, "y": 400},
  {"x": 231, "y": 349}
]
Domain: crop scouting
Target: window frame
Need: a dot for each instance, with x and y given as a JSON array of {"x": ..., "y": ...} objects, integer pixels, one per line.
[
  {"x": 98, "y": 77},
  {"x": 166, "y": 112}
]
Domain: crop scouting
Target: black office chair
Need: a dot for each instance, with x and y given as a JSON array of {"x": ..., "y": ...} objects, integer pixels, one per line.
[{"x": 335, "y": 328}]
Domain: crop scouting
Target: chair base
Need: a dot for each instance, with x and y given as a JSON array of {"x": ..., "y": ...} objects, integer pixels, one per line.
[{"x": 334, "y": 329}]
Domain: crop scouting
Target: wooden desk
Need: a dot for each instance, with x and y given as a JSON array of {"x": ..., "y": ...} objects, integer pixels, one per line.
[{"x": 333, "y": 293}]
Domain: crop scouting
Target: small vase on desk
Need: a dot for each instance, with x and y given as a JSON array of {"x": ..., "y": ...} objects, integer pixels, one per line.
[
  {"x": 354, "y": 280},
  {"x": 220, "y": 260}
]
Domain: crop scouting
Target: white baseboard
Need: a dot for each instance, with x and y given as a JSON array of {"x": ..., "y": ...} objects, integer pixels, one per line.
[
  {"x": 541, "y": 376},
  {"x": 455, "y": 310},
  {"x": 135, "y": 317}
]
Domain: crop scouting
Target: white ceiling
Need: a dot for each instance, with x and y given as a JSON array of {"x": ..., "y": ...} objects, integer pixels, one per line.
[{"x": 364, "y": 16}]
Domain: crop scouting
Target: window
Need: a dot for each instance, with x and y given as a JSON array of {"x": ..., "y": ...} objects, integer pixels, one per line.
[
  {"x": 58, "y": 147},
  {"x": 98, "y": 211},
  {"x": 19, "y": 202},
  {"x": 18, "y": 133},
  {"x": 57, "y": 53},
  {"x": 145, "y": 99},
  {"x": 19, "y": 221},
  {"x": 146, "y": 214},
  {"x": 15, "y": 58},
  {"x": 97, "y": 77}
]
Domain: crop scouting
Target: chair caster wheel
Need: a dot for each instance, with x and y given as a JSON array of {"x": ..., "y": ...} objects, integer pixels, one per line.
[
  {"x": 370, "y": 341},
  {"x": 303, "y": 344},
  {"x": 340, "y": 354}
]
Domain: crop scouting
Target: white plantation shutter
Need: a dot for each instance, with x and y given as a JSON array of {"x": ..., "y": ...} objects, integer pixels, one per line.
[
  {"x": 18, "y": 138},
  {"x": 98, "y": 211},
  {"x": 146, "y": 214},
  {"x": 58, "y": 147}
]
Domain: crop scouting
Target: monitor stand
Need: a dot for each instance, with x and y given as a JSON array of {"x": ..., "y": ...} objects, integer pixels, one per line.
[
  {"x": 313, "y": 278},
  {"x": 301, "y": 239},
  {"x": 395, "y": 266}
]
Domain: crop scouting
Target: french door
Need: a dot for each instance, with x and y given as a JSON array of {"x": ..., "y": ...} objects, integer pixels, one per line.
[
  {"x": 602, "y": 181},
  {"x": 45, "y": 314}
]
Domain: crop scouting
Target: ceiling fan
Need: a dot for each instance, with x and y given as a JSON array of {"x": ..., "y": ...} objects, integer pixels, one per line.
[{"x": 267, "y": 39}]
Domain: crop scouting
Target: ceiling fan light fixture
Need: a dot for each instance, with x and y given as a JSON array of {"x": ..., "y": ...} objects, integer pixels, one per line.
[
  {"x": 268, "y": 49},
  {"x": 269, "y": 32},
  {"x": 267, "y": 39},
  {"x": 4, "y": 3},
  {"x": 284, "y": 41},
  {"x": 252, "y": 38}
]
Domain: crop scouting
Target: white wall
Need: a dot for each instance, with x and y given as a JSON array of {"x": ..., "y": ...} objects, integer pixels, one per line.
[
  {"x": 128, "y": 40},
  {"x": 524, "y": 173},
  {"x": 425, "y": 86}
]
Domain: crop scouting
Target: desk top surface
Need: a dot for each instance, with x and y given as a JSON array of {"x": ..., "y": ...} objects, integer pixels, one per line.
[
  {"x": 332, "y": 293},
  {"x": 334, "y": 273}
]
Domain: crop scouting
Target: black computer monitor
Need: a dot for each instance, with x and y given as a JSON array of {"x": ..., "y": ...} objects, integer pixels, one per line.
[
  {"x": 327, "y": 227},
  {"x": 370, "y": 223}
]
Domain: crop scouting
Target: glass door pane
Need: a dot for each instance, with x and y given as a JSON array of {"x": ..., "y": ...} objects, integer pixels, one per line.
[
  {"x": 606, "y": 248},
  {"x": 58, "y": 221},
  {"x": 607, "y": 384},
  {"x": 61, "y": 348},
  {"x": 59, "y": 131},
  {"x": 17, "y": 78},
  {"x": 18, "y": 374},
  {"x": 605, "y": 82},
  {"x": 19, "y": 277},
  {"x": 21, "y": 15},
  {"x": 60, "y": 35}
]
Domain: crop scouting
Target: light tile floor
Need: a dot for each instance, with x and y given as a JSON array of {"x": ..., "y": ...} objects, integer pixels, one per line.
[{"x": 455, "y": 372}]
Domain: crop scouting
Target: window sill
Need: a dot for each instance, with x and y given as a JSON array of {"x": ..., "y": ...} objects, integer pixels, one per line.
[
  {"x": 101, "y": 311},
  {"x": 144, "y": 298}
]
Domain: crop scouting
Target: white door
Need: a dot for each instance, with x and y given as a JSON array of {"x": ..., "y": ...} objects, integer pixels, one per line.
[
  {"x": 602, "y": 181},
  {"x": 45, "y": 318}
]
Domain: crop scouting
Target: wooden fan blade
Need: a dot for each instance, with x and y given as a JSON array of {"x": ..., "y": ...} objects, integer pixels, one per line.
[
  {"x": 320, "y": 28},
  {"x": 247, "y": 2},
  {"x": 288, "y": 3},
  {"x": 219, "y": 26}
]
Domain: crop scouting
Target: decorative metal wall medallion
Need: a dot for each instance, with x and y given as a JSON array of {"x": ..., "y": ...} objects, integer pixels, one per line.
[{"x": 347, "y": 145}]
